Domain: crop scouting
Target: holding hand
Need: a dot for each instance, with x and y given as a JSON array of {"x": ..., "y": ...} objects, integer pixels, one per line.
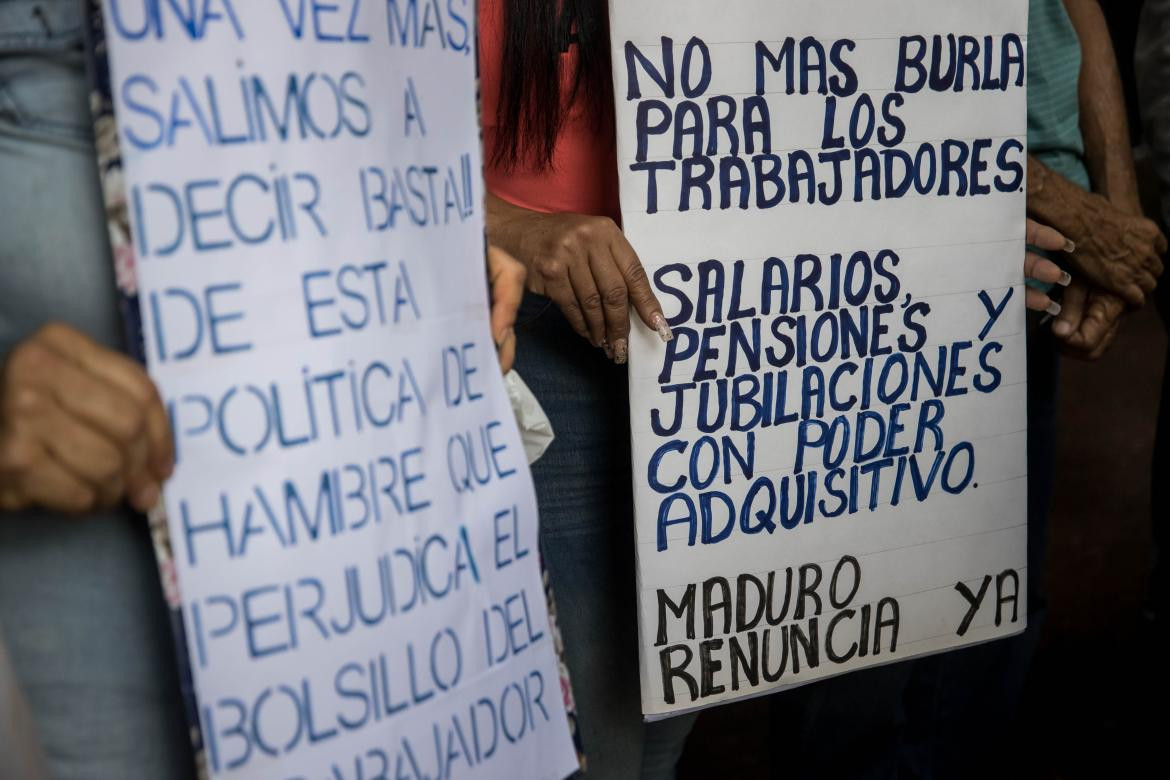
[
  {"x": 506, "y": 276},
  {"x": 81, "y": 427},
  {"x": 1089, "y": 321},
  {"x": 586, "y": 266},
  {"x": 1118, "y": 252}
]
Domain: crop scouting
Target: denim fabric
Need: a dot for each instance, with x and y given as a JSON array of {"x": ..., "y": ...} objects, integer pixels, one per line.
[
  {"x": 584, "y": 490},
  {"x": 80, "y": 603}
]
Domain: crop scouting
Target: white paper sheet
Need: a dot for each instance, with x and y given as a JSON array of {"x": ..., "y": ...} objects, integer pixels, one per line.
[
  {"x": 764, "y": 150},
  {"x": 352, "y": 519}
]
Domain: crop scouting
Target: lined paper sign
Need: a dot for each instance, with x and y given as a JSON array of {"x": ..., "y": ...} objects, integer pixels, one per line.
[
  {"x": 352, "y": 519},
  {"x": 829, "y": 457}
]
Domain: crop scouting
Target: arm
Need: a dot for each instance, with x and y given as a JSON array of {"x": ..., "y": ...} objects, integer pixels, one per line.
[
  {"x": 1114, "y": 249},
  {"x": 1103, "y": 116}
]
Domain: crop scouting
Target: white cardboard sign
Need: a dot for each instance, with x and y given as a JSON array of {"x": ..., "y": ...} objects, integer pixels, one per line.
[
  {"x": 352, "y": 520},
  {"x": 829, "y": 459}
]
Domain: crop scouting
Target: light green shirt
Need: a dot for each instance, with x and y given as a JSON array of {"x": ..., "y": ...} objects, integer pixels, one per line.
[{"x": 1054, "y": 67}]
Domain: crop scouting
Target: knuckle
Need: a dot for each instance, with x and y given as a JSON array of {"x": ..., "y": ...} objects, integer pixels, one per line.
[
  {"x": 25, "y": 401},
  {"x": 127, "y": 423},
  {"x": 585, "y": 230},
  {"x": 141, "y": 389},
  {"x": 637, "y": 275},
  {"x": 614, "y": 295},
  {"x": 603, "y": 226},
  {"x": 591, "y": 302},
  {"x": 17, "y": 456},
  {"x": 553, "y": 269},
  {"x": 29, "y": 358}
]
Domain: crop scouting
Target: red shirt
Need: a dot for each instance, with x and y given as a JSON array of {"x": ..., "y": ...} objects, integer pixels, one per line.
[{"x": 583, "y": 176}]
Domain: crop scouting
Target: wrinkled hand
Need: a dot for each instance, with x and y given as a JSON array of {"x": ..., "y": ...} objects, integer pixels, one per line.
[
  {"x": 1118, "y": 252},
  {"x": 81, "y": 427},
  {"x": 1041, "y": 268},
  {"x": 1089, "y": 320},
  {"x": 588, "y": 268},
  {"x": 506, "y": 276}
]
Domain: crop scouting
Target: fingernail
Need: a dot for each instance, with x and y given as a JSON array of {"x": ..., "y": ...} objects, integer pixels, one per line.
[
  {"x": 1069, "y": 246},
  {"x": 1053, "y": 308},
  {"x": 607, "y": 349},
  {"x": 660, "y": 325},
  {"x": 1061, "y": 328},
  {"x": 621, "y": 351},
  {"x": 147, "y": 497},
  {"x": 1065, "y": 279}
]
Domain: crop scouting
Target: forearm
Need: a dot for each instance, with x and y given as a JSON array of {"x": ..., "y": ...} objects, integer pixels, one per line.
[
  {"x": 1057, "y": 202},
  {"x": 1102, "y": 108}
]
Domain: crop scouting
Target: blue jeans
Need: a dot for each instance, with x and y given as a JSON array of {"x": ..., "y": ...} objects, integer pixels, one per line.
[
  {"x": 81, "y": 608},
  {"x": 584, "y": 490}
]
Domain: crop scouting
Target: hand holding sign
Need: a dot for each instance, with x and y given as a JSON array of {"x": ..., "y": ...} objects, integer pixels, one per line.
[
  {"x": 81, "y": 427},
  {"x": 1042, "y": 269},
  {"x": 586, "y": 266},
  {"x": 507, "y": 281}
]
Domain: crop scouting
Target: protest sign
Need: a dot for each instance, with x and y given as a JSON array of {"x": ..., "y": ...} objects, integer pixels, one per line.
[
  {"x": 349, "y": 540},
  {"x": 829, "y": 457}
]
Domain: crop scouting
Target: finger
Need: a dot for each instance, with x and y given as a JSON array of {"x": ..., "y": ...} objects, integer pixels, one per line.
[
  {"x": 561, "y": 293},
  {"x": 91, "y": 400},
  {"x": 1094, "y": 326},
  {"x": 591, "y": 301},
  {"x": 83, "y": 452},
  {"x": 506, "y": 351},
  {"x": 1038, "y": 301},
  {"x": 1133, "y": 294},
  {"x": 638, "y": 288},
  {"x": 1153, "y": 264},
  {"x": 125, "y": 374},
  {"x": 1072, "y": 311},
  {"x": 1044, "y": 270},
  {"x": 1046, "y": 237},
  {"x": 1106, "y": 342},
  {"x": 52, "y": 486},
  {"x": 507, "y": 284},
  {"x": 615, "y": 298}
]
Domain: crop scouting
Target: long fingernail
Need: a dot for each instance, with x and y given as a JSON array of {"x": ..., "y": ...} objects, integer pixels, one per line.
[
  {"x": 1065, "y": 279},
  {"x": 607, "y": 349},
  {"x": 1069, "y": 246},
  {"x": 1053, "y": 308},
  {"x": 621, "y": 351},
  {"x": 660, "y": 325}
]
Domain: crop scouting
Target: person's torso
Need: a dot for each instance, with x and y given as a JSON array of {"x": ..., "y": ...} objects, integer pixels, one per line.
[
  {"x": 583, "y": 176},
  {"x": 54, "y": 255},
  {"x": 1054, "y": 67}
]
